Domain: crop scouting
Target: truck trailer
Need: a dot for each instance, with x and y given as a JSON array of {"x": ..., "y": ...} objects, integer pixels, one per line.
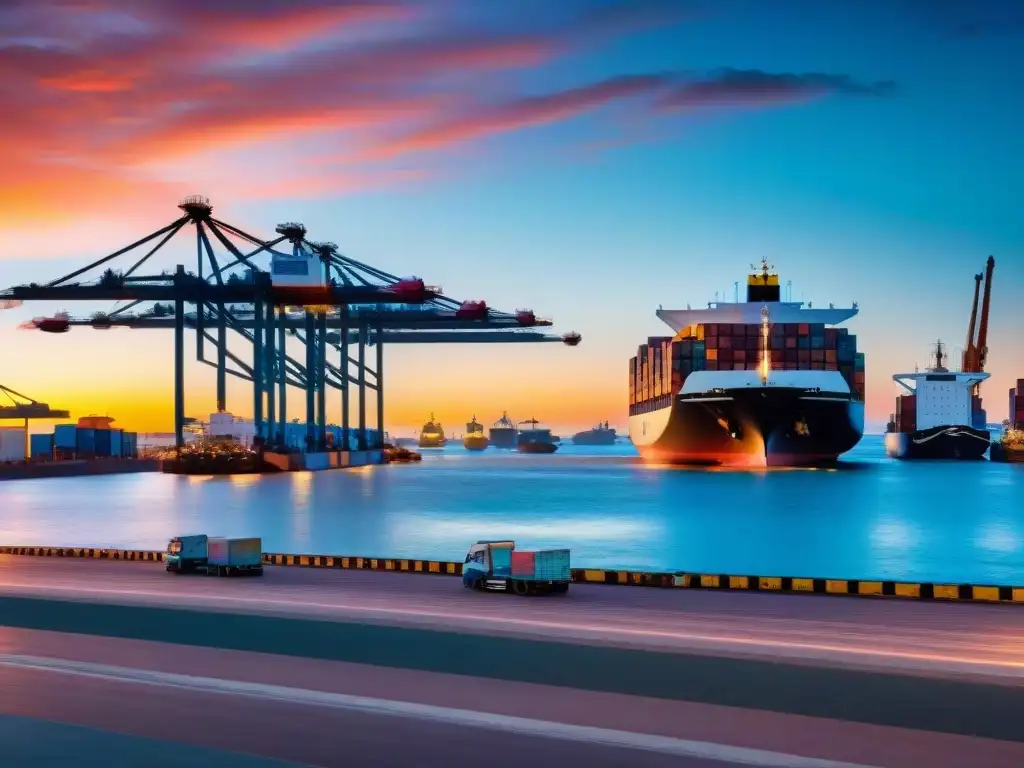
[
  {"x": 214, "y": 555},
  {"x": 498, "y": 566}
]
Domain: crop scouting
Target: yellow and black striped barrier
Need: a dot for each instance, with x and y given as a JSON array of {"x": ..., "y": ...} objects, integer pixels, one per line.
[
  {"x": 974, "y": 593},
  {"x": 87, "y": 552},
  {"x": 442, "y": 567},
  {"x": 971, "y": 593}
]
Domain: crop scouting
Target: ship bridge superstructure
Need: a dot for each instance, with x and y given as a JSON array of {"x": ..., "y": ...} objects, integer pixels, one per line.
[{"x": 763, "y": 291}]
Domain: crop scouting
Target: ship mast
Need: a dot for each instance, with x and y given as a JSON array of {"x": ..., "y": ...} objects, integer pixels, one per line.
[{"x": 766, "y": 355}]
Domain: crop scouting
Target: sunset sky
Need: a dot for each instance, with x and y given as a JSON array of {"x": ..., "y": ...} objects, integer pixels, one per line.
[{"x": 590, "y": 160}]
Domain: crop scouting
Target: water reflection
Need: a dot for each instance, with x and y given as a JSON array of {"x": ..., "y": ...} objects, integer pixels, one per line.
[{"x": 888, "y": 520}]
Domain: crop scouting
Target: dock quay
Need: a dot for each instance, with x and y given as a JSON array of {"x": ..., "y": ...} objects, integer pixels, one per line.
[
  {"x": 76, "y": 468},
  {"x": 678, "y": 675}
]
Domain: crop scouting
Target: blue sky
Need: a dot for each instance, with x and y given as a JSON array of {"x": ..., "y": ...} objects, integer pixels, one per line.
[{"x": 870, "y": 150}]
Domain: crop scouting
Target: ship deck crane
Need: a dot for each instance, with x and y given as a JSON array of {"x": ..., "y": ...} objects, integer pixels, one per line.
[{"x": 976, "y": 353}]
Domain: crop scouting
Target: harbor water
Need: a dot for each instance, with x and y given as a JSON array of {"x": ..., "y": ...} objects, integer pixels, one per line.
[{"x": 871, "y": 518}]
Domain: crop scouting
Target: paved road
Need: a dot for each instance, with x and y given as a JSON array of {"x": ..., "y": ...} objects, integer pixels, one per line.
[
  {"x": 134, "y": 702},
  {"x": 936, "y": 638}
]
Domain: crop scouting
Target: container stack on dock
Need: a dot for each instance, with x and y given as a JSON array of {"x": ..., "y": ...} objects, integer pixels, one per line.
[
  {"x": 1016, "y": 411},
  {"x": 660, "y": 368},
  {"x": 70, "y": 441}
]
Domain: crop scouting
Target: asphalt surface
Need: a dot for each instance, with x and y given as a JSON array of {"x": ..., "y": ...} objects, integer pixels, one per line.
[
  {"x": 142, "y": 699},
  {"x": 864, "y": 682}
]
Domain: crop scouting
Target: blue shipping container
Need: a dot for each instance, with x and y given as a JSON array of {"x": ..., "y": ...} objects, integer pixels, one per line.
[
  {"x": 85, "y": 441},
  {"x": 66, "y": 436},
  {"x": 102, "y": 438},
  {"x": 117, "y": 443},
  {"x": 40, "y": 445}
]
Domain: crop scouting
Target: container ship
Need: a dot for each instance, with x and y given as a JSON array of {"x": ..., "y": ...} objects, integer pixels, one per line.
[
  {"x": 1010, "y": 446},
  {"x": 432, "y": 435},
  {"x": 503, "y": 433},
  {"x": 602, "y": 434},
  {"x": 474, "y": 439},
  {"x": 763, "y": 382},
  {"x": 941, "y": 414},
  {"x": 536, "y": 439}
]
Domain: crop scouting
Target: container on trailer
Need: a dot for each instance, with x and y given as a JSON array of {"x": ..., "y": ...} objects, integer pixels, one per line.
[
  {"x": 522, "y": 563},
  {"x": 65, "y": 436},
  {"x": 234, "y": 552},
  {"x": 552, "y": 565}
]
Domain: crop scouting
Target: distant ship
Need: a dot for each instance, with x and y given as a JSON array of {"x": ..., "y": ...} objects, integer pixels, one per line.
[
  {"x": 761, "y": 382},
  {"x": 475, "y": 439},
  {"x": 941, "y": 416},
  {"x": 599, "y": 435},
  {"x": 535, "y": 439},
  {"x": 503, "y": 433},
  {"x": 432, "y": 435}
]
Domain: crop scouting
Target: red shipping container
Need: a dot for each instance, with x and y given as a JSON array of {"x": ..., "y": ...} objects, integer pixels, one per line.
[
  {"x": 805, "y": 329},
  {"x": 739, "y": 356},
  {"x": 817, "y": 355},
  {"x": 725, "y": 342},
  {"x": 803, "y": 355},
  {"x": 790, "y": 342},
  {"x": 712, "y": 365},
  {"x": 739, "y": 366},
  {"x": 522, "y": 563},
  {"x": 830, "y": 356},
  {"x": 831, "y": 366}
]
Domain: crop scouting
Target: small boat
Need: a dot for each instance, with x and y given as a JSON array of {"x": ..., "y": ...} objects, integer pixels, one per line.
[
  {"x": 475, "y": 439},
  {"x": 432, "y": 435},
  {"x": 535, "y": 439}
]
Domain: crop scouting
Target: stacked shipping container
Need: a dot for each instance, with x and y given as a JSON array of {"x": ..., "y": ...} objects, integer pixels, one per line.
[
  {"x": 74, "y": 442},
  {"x": 661, "y": 366},
  {"x": 1017, "y": 405}
]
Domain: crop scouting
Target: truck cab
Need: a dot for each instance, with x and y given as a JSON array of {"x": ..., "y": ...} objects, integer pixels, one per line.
[
  {"x": 186, "y": 553},
  {"x": 497, "y": 566}
]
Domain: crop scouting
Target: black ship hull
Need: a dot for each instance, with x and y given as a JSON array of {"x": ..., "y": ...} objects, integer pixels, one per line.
[
  {"x": 750, "y": 427},
  {"x": 537, "y": 447},
  {"x": 594, "y": 438},
  {"x": 943, "y": 442}
]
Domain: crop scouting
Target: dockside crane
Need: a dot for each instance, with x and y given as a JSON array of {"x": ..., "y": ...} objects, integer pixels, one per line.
[
  {"x": 24, "y": 408},
  {"x": 976, "y": 353}
]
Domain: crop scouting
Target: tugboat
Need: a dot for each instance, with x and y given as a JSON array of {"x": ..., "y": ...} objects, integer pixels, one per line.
[
  {"x": 535, "y": 439},
  {"x": 475, "y": 439},
  {"x": 503, "y": 433},
  {"x": 941, "y": 416},
  {"x": 599, "y": 435},
  {"x": 432, "y": 435}
]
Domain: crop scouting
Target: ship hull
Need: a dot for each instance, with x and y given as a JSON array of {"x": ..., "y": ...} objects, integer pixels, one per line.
[
  {"x": 750, "y": 427},
  {"x": 432, "y": 442},
  {"x": 475, "y": 443},
  {"x": 537, "y": 447},
  {"x": 587, "y": 438},
  {"x": 943, "y": 442},
  {"x": 503, "y": 437}
]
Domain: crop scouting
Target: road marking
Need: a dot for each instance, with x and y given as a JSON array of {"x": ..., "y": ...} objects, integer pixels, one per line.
[
  {"x": 665, "y": 745},
  {"x": 944, "y": 662}
]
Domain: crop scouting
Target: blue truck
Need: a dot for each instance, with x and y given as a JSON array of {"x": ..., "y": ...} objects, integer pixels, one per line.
[
  {"x": 214, "y": 555},
  {"x": 499, "y": 567}
]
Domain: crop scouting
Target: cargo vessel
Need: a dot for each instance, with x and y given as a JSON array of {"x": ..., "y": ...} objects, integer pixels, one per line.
[
  {"x": 535, "y": 439},
  {"x": 941, "y": 414},
  {"x": 474, "y": 439},
  {"x": 503, "y": 433},
  {"x": 432, "y": 435},
  {"x": 602, "y": 434},
  {"x": 1010, "y": 446},
  {"x": 940, "y": 417},
  {"x": 761, "y": 382}
]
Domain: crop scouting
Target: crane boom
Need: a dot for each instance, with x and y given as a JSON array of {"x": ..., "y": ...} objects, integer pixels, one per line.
[
  {"x": 970, "y": 350},
  {"x": 983, "y": 325}
]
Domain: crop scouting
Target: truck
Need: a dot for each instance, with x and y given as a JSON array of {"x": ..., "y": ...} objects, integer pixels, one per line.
[
  {"x": 498, "y": 566},
  {"x": 214, "y": 555}
]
